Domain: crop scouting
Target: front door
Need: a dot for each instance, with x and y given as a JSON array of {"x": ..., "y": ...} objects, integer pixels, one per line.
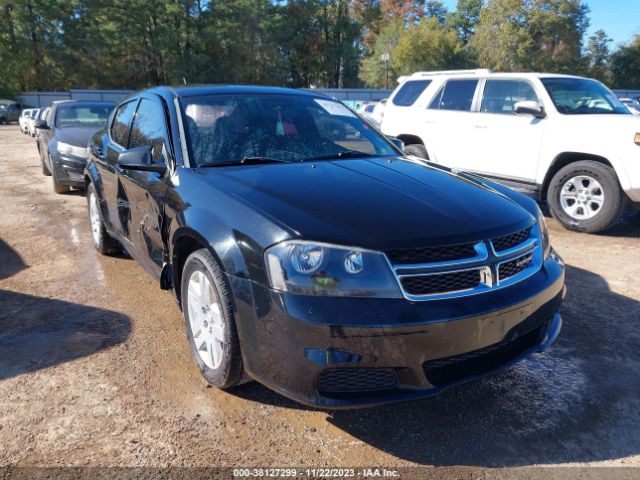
[
  {"x": 507, "y": 145},
  {"x": 141, "y": 194}
]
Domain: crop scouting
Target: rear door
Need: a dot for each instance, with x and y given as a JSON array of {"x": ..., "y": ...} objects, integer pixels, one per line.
[
  {"x": 450, "y": 121},
  {"x": 141, "y": 194},
  {"x": 507, "y": 145}
]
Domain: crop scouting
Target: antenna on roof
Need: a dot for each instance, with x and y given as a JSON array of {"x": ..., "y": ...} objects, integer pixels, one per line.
[{"x": 184, "y": 80}]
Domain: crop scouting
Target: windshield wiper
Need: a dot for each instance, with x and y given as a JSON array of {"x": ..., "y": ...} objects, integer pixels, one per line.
[
  {"x": 246, "y": 161},
  {"x": 344, "y": 154}
]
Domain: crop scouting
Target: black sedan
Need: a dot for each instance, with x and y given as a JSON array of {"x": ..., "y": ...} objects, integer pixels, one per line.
[
  {"x": 62, "y": 139},
  {"x": 309, "y": 254}
]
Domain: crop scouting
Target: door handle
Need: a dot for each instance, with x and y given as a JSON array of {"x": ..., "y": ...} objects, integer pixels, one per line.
[
  {"x": 480, "y": 126},
  {"x": 430, "y": 122}
]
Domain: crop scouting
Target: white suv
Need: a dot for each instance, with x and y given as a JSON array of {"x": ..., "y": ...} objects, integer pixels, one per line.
[{"x": 568, "y": 140}]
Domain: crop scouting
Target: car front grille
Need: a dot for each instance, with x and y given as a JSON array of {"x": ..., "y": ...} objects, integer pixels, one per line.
[
  {"x": 515, "y": 266},
  {"x": 506, "y": 242},
  {"x": 441, "y": 283},
  {"x": 432, "y": 254},
  {"x": 336, "y": 381},
  {"x": 452, "y": 369},
  {"x": 447, "y": 271}
]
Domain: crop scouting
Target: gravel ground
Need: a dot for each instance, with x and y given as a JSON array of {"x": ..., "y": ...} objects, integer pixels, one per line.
[{"x": 95, "y": 368}]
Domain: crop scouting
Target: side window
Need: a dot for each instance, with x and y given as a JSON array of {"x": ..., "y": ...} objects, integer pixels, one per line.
[
  {"x": 121, "y": 122},
  {"x": 500, "y": 96},
  {"x": 409, "y": 92},
  {"x": 435, "y": 103},
  {"x": 458, "y": 95},
  {"x": 149, "y": 128}
]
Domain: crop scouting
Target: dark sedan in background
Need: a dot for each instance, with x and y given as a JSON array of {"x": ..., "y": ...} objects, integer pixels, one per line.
[
  {"x": 63, "y": 137},
  {"x": 308, "y": 253}
]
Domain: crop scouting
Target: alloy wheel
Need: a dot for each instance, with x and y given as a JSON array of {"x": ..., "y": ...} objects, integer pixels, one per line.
[
  {"x": 94, "y": 218},
  {"x": 205, "y": 319},
  {"x": 582, "y": 197}
]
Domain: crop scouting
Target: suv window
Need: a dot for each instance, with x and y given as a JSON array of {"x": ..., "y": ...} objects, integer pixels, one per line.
[
  {"x": 121, "y": 122},
  {"x": 149, "y": 128},
  {"x": 455, "y": 95},
  {"x": 500, "y": 96},
  {"x": 409, "y": 92}
]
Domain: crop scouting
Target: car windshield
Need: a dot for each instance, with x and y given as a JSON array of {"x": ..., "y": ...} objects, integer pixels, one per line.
[
  {"x": 581, "y": 96},
  {"x": 82, "y": 116},
  {"x": 230, "y": 128}
]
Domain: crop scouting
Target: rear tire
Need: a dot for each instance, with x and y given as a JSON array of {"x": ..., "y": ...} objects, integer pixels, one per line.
[
  {"x": 209, "y": 321},
  {"x": 102, "y": 241},
  {"x": 585, "y": 196},
  {"x": 45, "y": 170},
  {"x": 417, "y": 150}
]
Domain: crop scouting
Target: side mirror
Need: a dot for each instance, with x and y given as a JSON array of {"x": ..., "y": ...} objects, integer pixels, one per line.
[
  {"x": 397, "y": 142},
  {"x": 41, "y": 124},
  {"x": 140, "y": 159},
  {"x": 530, "y": 107}
]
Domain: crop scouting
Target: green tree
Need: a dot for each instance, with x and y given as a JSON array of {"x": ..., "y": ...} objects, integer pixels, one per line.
[
  {"x": 539, "y": 35},
  {"x": 465, "y": 18},
  {"x": 435, "y": 9},
  {"x": 428, "y": 46},
  {"x": 377, "y": 70},
  {"x": 598, "y": 56},
  {"x": 625, "y": 65}
]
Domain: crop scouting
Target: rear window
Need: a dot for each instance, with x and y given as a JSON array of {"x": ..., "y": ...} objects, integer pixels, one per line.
[
  {"x": 456, "y": 95},
  {"x": 409, "y": 92}
]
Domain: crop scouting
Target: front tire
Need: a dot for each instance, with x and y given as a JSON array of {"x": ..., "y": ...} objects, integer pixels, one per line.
[
  {"x": 57, "y": 186},
  {"x": 585, "y": 196},
  {"x": 102, "y": 241},
  {"x": 45, "y": 169},
  {"x": 417, "y": 150},
  {"x": 209, "y": 321}
]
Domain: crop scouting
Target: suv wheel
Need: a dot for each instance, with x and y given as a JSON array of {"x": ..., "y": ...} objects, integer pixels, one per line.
[
  {"x": 104, "y": 243},
  {"x": 209, "y": 321},
  {"x": 416, "y": 150},
  {"x": 585, "y": 196}
]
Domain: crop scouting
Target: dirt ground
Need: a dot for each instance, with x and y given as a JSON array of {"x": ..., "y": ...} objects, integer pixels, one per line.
[{"x": 95, "y": 368}]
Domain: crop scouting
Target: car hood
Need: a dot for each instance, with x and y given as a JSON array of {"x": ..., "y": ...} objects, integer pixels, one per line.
[
  {"x": 373, "y": 203},
  {"x": 76, "y": 136}
]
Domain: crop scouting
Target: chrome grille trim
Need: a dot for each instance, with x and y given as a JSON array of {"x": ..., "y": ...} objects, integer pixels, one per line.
[{"x": 487, "y": 261}]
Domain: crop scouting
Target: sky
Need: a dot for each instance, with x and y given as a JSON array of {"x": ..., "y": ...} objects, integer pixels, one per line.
[{"x": 619, "y": 18}]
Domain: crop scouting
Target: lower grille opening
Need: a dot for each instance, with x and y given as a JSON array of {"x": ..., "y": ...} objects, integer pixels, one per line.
[
  {"x": 441, "y": 283},
  {"x": 349, "y": 381},
  {"x": 451, "y": 369}
]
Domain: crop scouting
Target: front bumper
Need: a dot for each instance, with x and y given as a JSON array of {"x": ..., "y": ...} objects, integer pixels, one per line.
[
  {"x": 351, "y": 352},
  {"x": 69, "y": 170}
]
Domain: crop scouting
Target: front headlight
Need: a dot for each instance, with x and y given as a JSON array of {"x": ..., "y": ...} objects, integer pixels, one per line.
[
  {"x": 67, "y": 149},
  {"x": 544, "y": 234},
  {"x": 308, "y": 268}
]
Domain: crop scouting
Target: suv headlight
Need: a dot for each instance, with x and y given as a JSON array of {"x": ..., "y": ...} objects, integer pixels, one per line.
[
  {"x": 544, "y": 234},
  {"x": 309, "y": 268}
]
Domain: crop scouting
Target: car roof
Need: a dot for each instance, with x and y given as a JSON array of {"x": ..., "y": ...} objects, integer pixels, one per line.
[
  {"x": 195, "y": 90},
  {"x": 483, "y": 73},
  {"x": 83, "y": 103}
]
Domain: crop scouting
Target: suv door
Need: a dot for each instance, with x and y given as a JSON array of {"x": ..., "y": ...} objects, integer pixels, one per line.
[
  {"x": 448, "y": 122},
  {"x": 140, "y": 195},
  {"x": 507, "y": 145}
]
